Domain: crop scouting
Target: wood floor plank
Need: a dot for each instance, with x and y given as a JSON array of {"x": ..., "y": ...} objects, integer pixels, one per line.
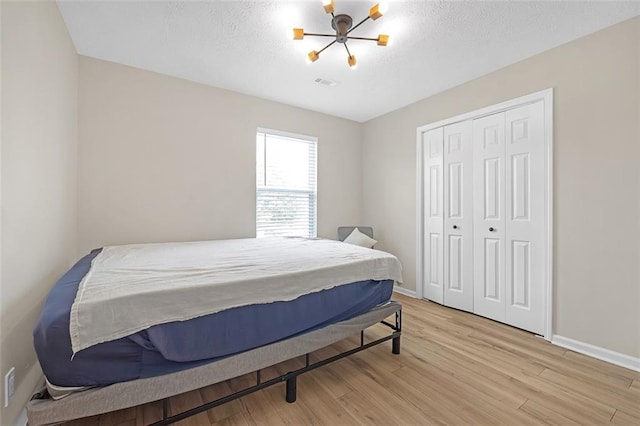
[
  {"x": 433, "y": 411},
  {"x": 118, "y": 417},
  {"x": 365, "y": 413},
  {"x": 379, "y": 357},
  {"x": 320, "y": 403},
  {"x": 471, "y": 377},
  {"x": 613, "y": 370},
  {"x": 478, "y": 406},
  {"x": 184, "y": 402},
  {"x": 460, "y": 410},
  {"x": 611, "y": 396},
  {"x": 626, "y": 419},
  {"x": 241, "y": 418},
  {"x": 366, "y": 388},
  {"x": 532, "y": 387},
  {"x": 151, "y": 412},
  {"x": 220, "y": 390},
  {"x": 546, "y": 415},
  {"x": 454, "y": 368},
  {"x": 573, "y": 405},
  {"x": 331, "y": 382},
  {"x": 485, "y": 353},
  {"x": 257, "y": 404},
  {"x": 139, "y": 415},
  {"x": 552, "y": 359}
]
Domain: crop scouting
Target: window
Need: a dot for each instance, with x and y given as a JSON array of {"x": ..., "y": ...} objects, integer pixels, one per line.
[{"x": 286, "y": 185}]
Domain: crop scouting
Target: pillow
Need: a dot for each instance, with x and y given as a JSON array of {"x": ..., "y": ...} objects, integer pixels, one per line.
[{"x": 359, "y": 239}]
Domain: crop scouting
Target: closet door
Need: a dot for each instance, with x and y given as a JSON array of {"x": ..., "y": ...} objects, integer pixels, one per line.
[
  {"x": 489, "y": 216},
  {"x": 525, "y": 201},
  {"x": 433, "y": 243},
  {"x": 458, "y": 215}
]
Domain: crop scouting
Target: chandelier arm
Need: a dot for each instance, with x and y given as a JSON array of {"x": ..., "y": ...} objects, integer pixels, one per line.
[
  {"x": 346, "y": 47},
  {"x": 359, "y": 23},
  {"x": 320, "y": 35},
  {"x": 321, "y": 50},
  {"x": 362, "y": 38}
]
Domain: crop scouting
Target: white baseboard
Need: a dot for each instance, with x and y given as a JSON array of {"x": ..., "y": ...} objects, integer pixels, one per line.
[
  {"x": 617, "y": 358},
  {"x": 405, "y": 292}
]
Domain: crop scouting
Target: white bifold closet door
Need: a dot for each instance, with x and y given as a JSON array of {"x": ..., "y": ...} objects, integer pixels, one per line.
[
  {"x": 458, "y": 216},
  {"x": 433, "y": 243},
  {"x": 448, "y": 218},
  {"x": 509, "y": 206},
  {"x": 488, "y": 218}
]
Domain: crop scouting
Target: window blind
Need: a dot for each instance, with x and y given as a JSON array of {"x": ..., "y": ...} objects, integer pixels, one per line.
[{"x": 285, "y": 185}]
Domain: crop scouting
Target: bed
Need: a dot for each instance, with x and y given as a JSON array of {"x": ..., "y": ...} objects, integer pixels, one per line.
[{"x": 234, "y": 338}]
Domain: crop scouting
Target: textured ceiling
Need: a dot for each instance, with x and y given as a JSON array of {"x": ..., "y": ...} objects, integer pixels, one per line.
[{"x": 245, "y": 46}]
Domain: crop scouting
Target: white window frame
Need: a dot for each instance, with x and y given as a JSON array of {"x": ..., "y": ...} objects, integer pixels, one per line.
[{"x": 314, "y": 193}]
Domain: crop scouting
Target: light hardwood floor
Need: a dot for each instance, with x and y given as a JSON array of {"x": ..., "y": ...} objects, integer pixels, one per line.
[{"x": 454, "y": 368}]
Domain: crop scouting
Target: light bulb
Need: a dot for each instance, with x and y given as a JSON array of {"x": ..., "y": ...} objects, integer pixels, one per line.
[
  {"x": 328, "y": 5},
  {"x": 383, "y": 40},
  {"x": 375, "y": 12},
  {"x": 298, "y": 33},
  {"x": 353, "y": 64},
  {"x": 312, "y": 56}
]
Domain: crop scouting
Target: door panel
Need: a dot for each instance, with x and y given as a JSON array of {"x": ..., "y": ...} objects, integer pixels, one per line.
[
  {"x": 488, "y": 216},
  {"x": 433, "y": 147},
  {"x": 520, "y": 191},
  {"x": 435, "y": 191},
  {"x": 492, "y": 268},
  {"x": 520, "y": 274},
  {"x": 458, "y": 216},
  {"x": 455, "y": 263},
  {"x": 435, "y": 261},
  {"x": 492, "y": 194},
  {"x": 525, "y": 228},
  {"x": 455, "y": 190}
]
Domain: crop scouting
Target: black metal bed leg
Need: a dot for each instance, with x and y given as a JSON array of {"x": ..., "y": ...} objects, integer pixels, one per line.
[
  {"x": 395, "y": 342},
  {"x": 395, "y": 345},
  {"x": 291, "y": 389}
]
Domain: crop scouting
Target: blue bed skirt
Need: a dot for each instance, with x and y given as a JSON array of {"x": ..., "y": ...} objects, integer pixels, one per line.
[{"x": 176, "y": 346}]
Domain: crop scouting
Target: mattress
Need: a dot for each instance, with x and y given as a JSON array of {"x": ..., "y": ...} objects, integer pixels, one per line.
[
  {"x": 177, "y": 346},
  {"x": 132, "y": 287}
]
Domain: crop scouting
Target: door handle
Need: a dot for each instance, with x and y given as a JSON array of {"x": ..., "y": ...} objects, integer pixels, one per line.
[
  {"x": 492, "y": 229},
  {"x": 455, "y": 226}
]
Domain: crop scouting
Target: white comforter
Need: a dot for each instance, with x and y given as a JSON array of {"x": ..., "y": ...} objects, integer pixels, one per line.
[{"x": 131, "y": 288}]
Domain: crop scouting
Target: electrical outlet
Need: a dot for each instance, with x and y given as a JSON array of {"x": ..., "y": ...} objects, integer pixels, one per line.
[{"x": 9, "y": 381}]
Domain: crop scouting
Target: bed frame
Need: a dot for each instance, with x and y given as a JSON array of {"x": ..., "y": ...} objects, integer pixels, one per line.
[{"x": 42, "y": 410}]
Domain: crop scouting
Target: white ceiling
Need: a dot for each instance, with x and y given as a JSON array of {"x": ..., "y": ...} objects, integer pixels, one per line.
[{"x": 245, "y": 46}]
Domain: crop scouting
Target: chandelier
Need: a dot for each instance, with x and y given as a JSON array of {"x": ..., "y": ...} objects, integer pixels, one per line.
[{"x": 343, "y": 25}]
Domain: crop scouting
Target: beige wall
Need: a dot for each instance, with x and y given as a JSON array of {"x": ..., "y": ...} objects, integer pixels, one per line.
[
  {"x": 597, "y": 158},
  {"x": 164, "y": 159},
  {"x": 39, "y": 146}
]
